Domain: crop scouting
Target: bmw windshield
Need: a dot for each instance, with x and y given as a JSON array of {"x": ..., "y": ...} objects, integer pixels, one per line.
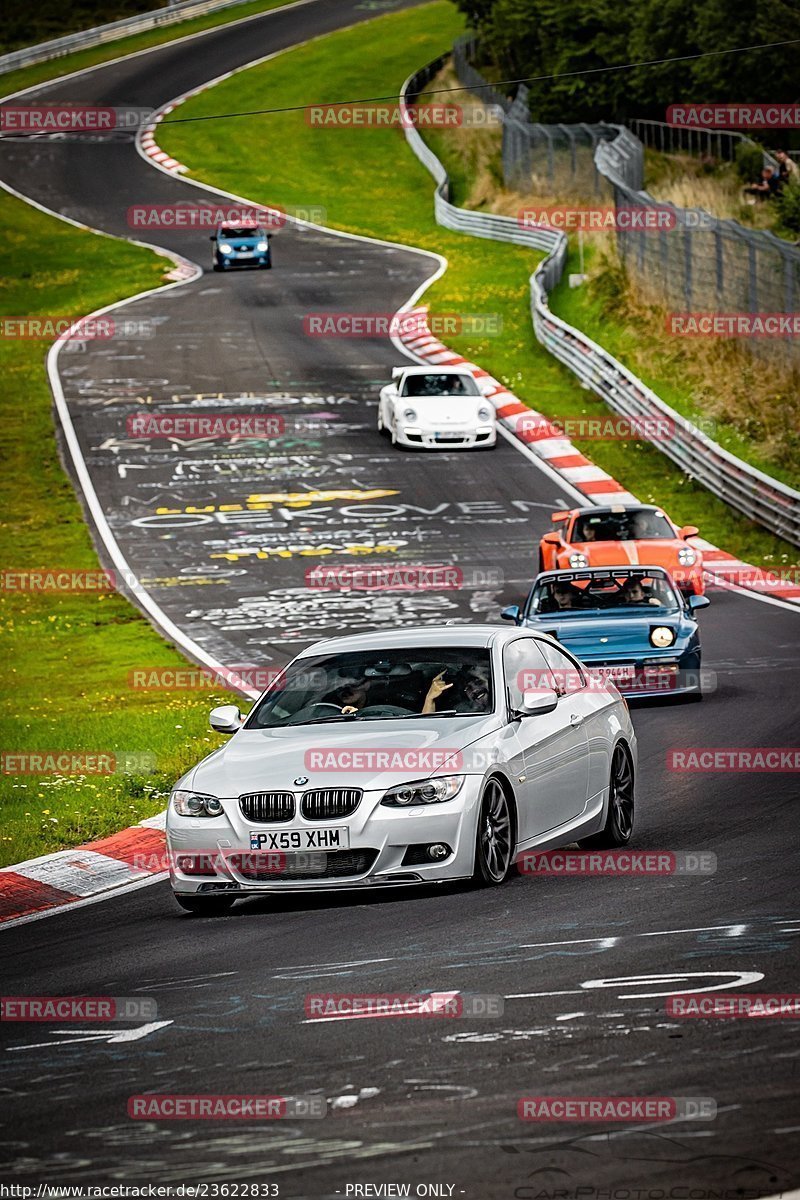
[{"x": 379, "y": 685}]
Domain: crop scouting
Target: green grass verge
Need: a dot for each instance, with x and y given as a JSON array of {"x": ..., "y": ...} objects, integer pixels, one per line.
[
  {"x": 66, "y": 657},
  {"x": 369, "y": 183},
  {"x": 14, "y": 81}
]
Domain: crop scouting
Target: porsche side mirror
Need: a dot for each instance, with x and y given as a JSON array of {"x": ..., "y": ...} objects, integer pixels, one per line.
[
  {"x": 535, "y": 704},
  {"x": 512, "y": 613},
  {"x": 225, "y": 719},
  {"x": 559, "y": 516},
  {"x": 552, "y": 539},
  {"x": 688, "y": 531}
]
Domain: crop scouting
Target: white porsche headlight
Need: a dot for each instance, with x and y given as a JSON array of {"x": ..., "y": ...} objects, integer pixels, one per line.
[
  {"x": 409, "y": 414},
  {"x": 687, "y": 557},
  {"x": 484, "y": 414},
  {"x": 578, "y": 560},
  {"x": 428, "y": 791},
  {"x": 195, "y": 804},
  {"x": 662, "y": 636}
]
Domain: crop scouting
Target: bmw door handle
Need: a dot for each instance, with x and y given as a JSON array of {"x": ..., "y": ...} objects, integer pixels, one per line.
[{"x": 575, "y": 719}]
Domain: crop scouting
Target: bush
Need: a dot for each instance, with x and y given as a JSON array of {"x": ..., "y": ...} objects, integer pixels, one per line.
[
  {"x": 749, "y": 161},
  {"x": 788, "y": 207}
]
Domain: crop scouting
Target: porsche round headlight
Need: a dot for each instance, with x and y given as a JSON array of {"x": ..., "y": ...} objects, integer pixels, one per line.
[
  {"x": 409, "y": 415},
  {"x": 224, "y": 248},
  {"x": 427, "y": 791},
  {"x": 484, "y": 414},
  {"x": 578, "y": 560},
  {"x": 662, "y": 636},
  {"x": 687, "y": 557},
  {"x": 195, "y": 804}
]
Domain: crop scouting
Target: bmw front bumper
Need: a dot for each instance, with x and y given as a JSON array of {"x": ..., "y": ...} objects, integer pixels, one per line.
[{"x": 387, "y": 846}]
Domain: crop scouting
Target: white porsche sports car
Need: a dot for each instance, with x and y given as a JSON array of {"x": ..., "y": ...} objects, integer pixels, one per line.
[
  {"x": 436, "y": 408},
  {"x": 404, "y": 757}
]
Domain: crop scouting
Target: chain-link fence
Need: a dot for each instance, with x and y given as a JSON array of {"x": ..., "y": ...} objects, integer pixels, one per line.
[
  {"x": 689, "y": 260},
  {"x": 708, "y": 143}
]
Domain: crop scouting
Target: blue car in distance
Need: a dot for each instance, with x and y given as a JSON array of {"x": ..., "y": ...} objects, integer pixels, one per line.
[
  {"x": 241, "y": 246},
  {"x": 627, "y": 624}
]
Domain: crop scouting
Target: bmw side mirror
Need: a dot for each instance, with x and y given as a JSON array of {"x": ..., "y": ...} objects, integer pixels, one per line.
[
  {"x": 696, "y": 602},
  {"x": 512, "y": 613},
  {"x": 225, "y": 719},
  {"x": 536, "y": 704}
]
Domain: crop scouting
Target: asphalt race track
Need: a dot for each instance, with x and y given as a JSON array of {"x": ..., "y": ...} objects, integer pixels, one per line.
[{"x": 216, "y": 533}]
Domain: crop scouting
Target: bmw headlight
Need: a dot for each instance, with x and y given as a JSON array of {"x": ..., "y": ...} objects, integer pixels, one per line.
[
  {"x": 224, "y": 248},
  {"x": 409, "y": 414},
  {"x": 427, "y": 791},
  {"x": 484, "y": 414},
  {"x": 195, "y": 804},
  {"x": 262, "y": 246},
  {"x": 687, "y": 557},
  {"x": 662, "y": 636},
  {"x": 578, "y": 560}
]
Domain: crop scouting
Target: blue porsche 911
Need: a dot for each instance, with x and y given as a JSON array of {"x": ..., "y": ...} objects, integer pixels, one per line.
[
  {"x": 627, "y": 624},
  {"x": 241, "y": 246}
]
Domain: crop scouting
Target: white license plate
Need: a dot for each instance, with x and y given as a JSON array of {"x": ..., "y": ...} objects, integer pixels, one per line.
[
  {"x": 327, "y": 837},
  {"x": 619, "y": 673},
  {"x": 245, "y": 253}
]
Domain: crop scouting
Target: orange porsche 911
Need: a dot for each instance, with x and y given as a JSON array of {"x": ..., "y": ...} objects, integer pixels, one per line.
[{"x": 623, "y": 535}]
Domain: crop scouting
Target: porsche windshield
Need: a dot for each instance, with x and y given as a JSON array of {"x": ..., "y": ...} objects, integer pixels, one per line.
[
  {"x": 631, "y": 525},
  {"x": 440, "y": 385},
  {"x": 641, "y": 592},
  {"x": 379, "y": 684}
]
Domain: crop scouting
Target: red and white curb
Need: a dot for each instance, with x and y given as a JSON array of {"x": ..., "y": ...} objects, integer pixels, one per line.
[
  {"x": 535, "y": 431},
  {"x": 146, "y": 137},
  {"x": 69, "y": 877}
]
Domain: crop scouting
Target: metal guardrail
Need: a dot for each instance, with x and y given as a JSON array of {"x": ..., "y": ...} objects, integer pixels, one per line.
[
  {"x": 84, "y": 38},
  {"x": 761, "y": 498}
]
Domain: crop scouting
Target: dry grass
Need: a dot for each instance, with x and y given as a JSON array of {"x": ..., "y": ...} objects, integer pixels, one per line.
[
  {"x": 756, "y": 402},
  {"x": 693, "y": 182},
  {"x": 757, "y": 398}
]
